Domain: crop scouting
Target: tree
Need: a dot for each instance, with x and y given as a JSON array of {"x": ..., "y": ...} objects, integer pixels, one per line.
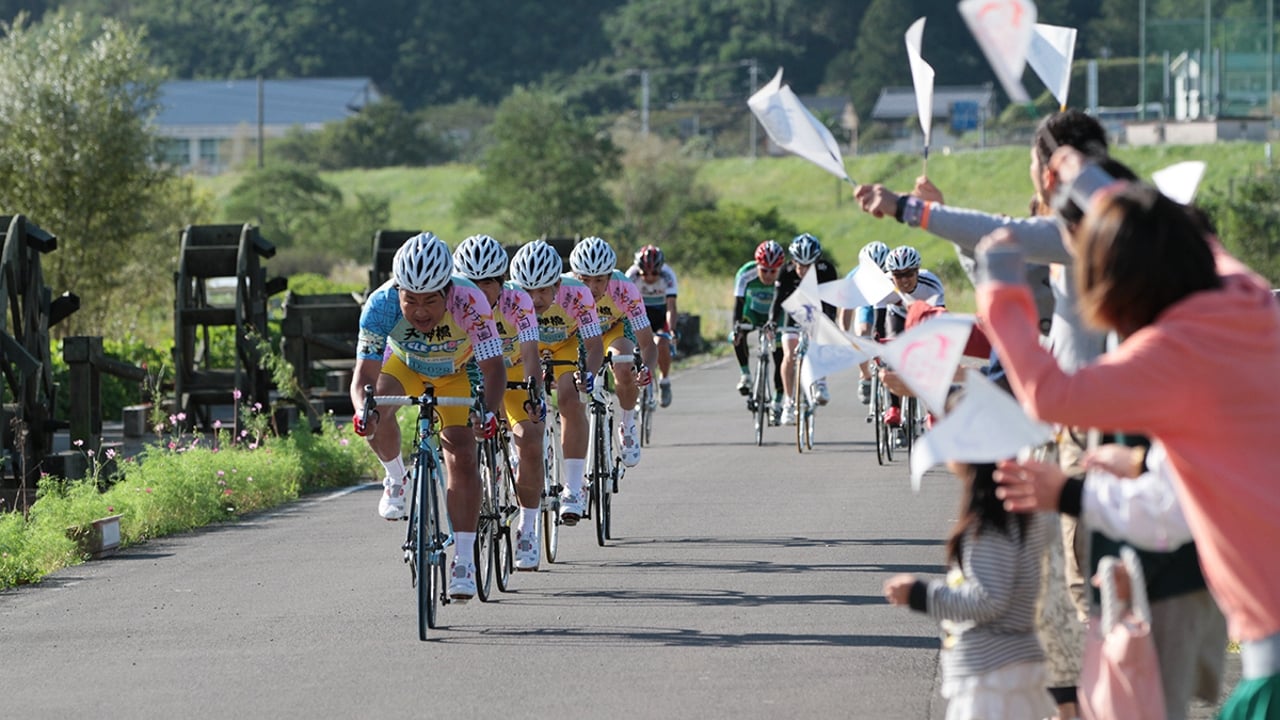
[
  {"x": 545, "y": 172},
  {"x": 305, "y": 216},
  {"x": 719, "y": 241},
  {"x": 657, "y": 190},
  {"x": 75, "y": 152},
  {"x": 382, "y": 134}
]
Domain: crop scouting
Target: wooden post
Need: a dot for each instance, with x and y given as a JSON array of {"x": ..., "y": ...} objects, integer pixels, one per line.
[{"x": 84, "y": 355}]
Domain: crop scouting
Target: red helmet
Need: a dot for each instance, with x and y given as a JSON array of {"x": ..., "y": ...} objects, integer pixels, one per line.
[
  {"x": 650, "y": 259},
  {"x": 770, "y": 254}
]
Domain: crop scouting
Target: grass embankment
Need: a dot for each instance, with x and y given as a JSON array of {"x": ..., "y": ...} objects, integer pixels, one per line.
[
  {"x": 994, "y": 180},
  {"x": 181, "y": 483}
]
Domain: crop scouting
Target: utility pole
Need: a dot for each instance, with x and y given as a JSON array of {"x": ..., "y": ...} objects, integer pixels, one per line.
[
  {"x": 644, "y": 103},
  {"x": 1142, "y": 59},
  {"x": 261, "y": 123},
  {"x": 755, "y": 74}
]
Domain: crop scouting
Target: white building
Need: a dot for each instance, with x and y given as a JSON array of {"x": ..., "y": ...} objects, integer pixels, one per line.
[{"x": 208, "y": 126}]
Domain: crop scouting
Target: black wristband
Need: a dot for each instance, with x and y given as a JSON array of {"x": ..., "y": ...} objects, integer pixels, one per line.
[
  {"x": 1071, "y": 498},
  {"x": 902, "y": 206},
  {"x": 918, "y": 598}
]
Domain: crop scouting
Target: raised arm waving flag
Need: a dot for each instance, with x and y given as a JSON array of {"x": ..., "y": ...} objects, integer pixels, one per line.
[{"x": 794, "y": 129}]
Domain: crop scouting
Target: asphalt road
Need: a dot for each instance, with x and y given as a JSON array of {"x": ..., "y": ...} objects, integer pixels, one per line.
[{"x": 744, "y": 583}]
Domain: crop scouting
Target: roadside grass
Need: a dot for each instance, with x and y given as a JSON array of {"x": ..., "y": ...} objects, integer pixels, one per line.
[{"x": 178, "y": 484}]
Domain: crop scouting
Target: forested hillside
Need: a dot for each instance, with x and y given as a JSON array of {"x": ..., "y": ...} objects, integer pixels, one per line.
[{"x": 430, "y": 52}]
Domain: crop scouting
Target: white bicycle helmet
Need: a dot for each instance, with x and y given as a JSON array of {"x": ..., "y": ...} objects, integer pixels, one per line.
[
  {"x": 903, "y": 257},
  {"x": 480, "y": 257},
  {"x": 536, "y": 265},
  {"x": 875, "y": 251},
  {"x": 805, "y": 249},
  {"x": 592, "y": 256},
  {"x": 422, "y": 264}
]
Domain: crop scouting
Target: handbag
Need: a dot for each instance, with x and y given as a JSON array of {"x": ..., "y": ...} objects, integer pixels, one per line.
[{"x": 1120, "y": 679}]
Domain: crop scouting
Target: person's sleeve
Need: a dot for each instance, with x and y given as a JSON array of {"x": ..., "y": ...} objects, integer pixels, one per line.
[
  {"x": 988, "y": 586},
  {"x": 628, "y": 298},
  {"x": 1143, "y": 511},
  {"x": 588, "y": 318},
  {"x": 526, "y": 318},
  {"x": 1040, "y": 237},
  {"x": 672, "y": 282},
  {"x": 738, "y": 304}
]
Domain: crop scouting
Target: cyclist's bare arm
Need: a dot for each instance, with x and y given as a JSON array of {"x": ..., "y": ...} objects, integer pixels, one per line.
[{"x": 366, "y": 373}]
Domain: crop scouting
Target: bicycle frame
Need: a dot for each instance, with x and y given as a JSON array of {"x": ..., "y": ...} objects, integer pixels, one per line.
[{"x": 430, "y": 532}]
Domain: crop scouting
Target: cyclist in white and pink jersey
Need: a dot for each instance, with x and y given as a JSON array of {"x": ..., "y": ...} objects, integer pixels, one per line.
[
  {"x": 567, "y": 326},
  {"x": 657, "y": 283},
  {"x": 441, "y": 333},
  {"x": 625, "y": 325},
  {"x": 483, "y": 260}
]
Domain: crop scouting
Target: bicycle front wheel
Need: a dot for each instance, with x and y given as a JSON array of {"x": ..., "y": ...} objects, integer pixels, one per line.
[
  {"x": 600, "y": 475},
  {"x": 762, "y": 399},
  {"x": 646, "y": 416},
  {"x": 430, "y": 582},
  {"x": 802, "y": 404},
  {"x": 877, "y": 417},
  {"x": 551, "y": 487}
]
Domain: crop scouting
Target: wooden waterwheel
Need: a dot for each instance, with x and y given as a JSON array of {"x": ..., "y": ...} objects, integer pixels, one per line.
[
  {"x": 27, "y": 310},
  {"x": 220, "y": 282}
]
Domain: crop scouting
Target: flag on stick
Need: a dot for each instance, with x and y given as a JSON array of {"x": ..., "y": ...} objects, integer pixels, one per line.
[
  {"x": 1179, "y": 181},
  {"x": 926, "y": 356},
  {"x": 794, "y": 129},
  {"x": 922, "y": 79}
]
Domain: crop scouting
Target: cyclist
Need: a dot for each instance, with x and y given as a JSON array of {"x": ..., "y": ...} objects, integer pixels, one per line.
[
  {"x": 753, "y": 290},
  {"x": 483, "y": 261},
  {"x": 912, "y": 283},
  {"x": 438, "y": 326},
  {"x": 624, "y": 326},
  {"x": 806, "y": 255},
  {"x": 861, "y": 320},
  {"x": 567, "y": 322},
  {"x": 657, "y": 282}
]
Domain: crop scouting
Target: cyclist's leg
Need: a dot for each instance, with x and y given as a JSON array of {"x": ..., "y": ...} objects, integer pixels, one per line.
[
  {"x": 396, "y": 379},
  {"x": 741, "y": 352},
  {"x": 664, "y": 352},
  {"x": 527, "y": 435},
  {"x": 624, "y": 376},
  {"x": 777, "y": 374},
  {"x": 790, "y": 341},
  {"x": 573, "y": 439},
  {"x": 458, "y": 443}
]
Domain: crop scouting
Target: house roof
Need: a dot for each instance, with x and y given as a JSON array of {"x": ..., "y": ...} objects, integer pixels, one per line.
[
  {"x": 284, "y": 102},
  {"x": 899, "y": 103}
]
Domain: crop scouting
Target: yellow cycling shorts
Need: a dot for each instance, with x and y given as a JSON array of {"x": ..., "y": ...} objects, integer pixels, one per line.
[
  {"x": 455, "y": 385},
  {"x": 514, "y": 399}
]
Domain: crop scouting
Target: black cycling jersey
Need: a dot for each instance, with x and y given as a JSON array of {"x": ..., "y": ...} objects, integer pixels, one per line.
[{"x": 789, "y": 280}]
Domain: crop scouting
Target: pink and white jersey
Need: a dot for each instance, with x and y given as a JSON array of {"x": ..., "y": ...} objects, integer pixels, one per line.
[
  {"x": 574, "y": 311},
  {"x": 467, "y": 330},
  {"x": 621, "y": 300},
  {"x": 516, "y": 321}
]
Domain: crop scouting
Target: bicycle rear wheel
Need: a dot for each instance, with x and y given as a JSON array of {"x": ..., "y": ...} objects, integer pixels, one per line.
[
  {"x": 909, "y": 425},
  {"x": 487, "y": 528},
  {"x": 503, "y": 553},
  {"x": 551, "y": 487}
]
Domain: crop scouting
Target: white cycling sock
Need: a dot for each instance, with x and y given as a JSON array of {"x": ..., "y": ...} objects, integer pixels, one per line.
[
  {"x": 575, "y": 470},
  {"x": 528, "y": 518},
  {"x": 628, "y": 417},
  {"x": 395, "y": 469},
  {"x": 465, "y": 542}
]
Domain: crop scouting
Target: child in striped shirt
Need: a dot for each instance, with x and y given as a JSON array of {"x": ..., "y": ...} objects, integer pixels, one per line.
[{"x": 992, "y": 664}]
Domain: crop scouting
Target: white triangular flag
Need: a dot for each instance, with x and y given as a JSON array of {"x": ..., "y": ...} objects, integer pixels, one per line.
[
  {"x": 874, "y": 284},
  {"x": 987, "y": 425},
  {"x": 830, "y": 348},
  {"x": 921, "y": 78},
  {"x": 1179, "y": 181},
  {"x": 926, "y": 356},
  {"x": 1003, "y": 29},
  {"x": 1053, "y": 48},
  {"x": 794, "y": 128},
  {"x": 843, "y": 293}
]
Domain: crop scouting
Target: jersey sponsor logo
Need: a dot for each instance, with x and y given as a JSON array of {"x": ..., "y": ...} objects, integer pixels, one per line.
[
  {"x": 435, "y": 334},
  {"x": 549, "y": 335},
  {"x": 419, "y": 347},
  {"x": 551, "y": 320},
  {"x": 369, "y": 348}
]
